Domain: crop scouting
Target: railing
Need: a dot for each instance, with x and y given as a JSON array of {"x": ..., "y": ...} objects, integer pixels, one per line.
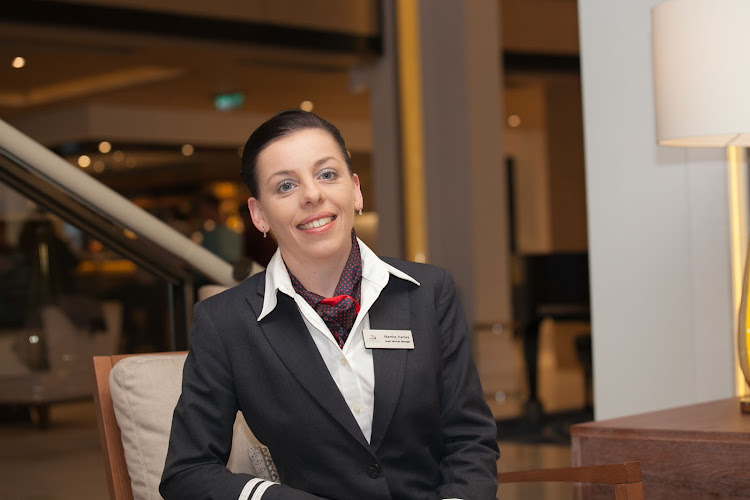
[{"x": 81, "y": 200}]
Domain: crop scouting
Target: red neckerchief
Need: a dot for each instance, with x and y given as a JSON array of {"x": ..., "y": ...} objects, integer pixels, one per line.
[{"x": 340, "y": 311}]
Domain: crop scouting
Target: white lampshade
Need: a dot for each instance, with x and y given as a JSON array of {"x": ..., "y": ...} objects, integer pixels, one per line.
[{"x": 701, "y": 55}]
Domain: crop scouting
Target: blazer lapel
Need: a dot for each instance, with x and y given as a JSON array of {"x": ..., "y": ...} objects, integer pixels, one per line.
[
  {"x": 389, "y": 312},
  {"x": 288, "y": 336}
]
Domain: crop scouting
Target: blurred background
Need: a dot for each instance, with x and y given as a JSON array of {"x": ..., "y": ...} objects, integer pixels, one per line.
[{"x": 156, "y": 99}]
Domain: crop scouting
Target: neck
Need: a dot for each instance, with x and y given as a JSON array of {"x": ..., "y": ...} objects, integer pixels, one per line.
[{"x": 320, "y": 277}]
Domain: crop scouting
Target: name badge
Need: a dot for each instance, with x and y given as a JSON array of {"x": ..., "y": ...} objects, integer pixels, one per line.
[{"x": 388, "y": 339}]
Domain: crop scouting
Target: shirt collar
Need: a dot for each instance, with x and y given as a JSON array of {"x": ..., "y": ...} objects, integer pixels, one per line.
[{"x": 277, "y": 277}]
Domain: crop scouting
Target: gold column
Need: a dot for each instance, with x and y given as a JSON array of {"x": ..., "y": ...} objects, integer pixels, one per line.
[
  {"x": 738, "y": 200},
  {"x": 412, "y": 141}
]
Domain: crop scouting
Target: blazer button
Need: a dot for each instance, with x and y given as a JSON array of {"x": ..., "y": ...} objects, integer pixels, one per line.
[{"x": 375, "y": 471}]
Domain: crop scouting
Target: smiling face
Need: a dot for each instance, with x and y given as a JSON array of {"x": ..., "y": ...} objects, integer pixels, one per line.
[{"x": 307, "y": 198}]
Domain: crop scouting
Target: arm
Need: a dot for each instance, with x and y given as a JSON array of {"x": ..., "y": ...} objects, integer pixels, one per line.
[
  {"x": 201, "y": 436},
  {"x": 469, "y": 464}
]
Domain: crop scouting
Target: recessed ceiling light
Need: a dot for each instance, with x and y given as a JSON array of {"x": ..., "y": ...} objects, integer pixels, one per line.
[
  {"x": 188, "y": 149},
  {"x": 105, "y": 147},
  {"x": 306, "y": 106},
  {"x": 84, "y": 161},
  {"x": 18, "y": 62},
  {"x": 514, "y": 121}
]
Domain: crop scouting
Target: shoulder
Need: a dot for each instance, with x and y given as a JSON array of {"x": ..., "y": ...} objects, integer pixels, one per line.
[
  {"x": 246, "y": 289},
  {"x": 428, "y": 275},
  {"x": 233, "y": 310}
]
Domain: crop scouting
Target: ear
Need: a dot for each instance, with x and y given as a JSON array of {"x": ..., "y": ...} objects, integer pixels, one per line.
[
  {"x": 358, "y": 199},
  {"x": 256, "y": 213}
]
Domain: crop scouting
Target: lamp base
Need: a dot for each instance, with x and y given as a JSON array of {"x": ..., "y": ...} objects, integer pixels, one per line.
[{"x": 745, "y": 405}]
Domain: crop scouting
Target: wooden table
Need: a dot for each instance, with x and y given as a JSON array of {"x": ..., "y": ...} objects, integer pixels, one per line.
[{"x": 698, "y": 451}]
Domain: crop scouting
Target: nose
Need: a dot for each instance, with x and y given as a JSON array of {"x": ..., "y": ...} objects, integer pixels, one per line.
[{"x": 311, "y": 193}]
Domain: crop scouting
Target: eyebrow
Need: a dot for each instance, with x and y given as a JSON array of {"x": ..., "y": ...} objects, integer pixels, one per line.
[
  {"x": 324, "y": 160},
  {"x": 280, "y": 173}
]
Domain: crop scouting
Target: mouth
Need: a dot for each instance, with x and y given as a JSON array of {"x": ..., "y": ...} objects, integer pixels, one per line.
[{"x": 316, "y": 223}]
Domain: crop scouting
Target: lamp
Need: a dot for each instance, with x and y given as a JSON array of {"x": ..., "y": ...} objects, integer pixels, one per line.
[{"x": 701, "y": 57}]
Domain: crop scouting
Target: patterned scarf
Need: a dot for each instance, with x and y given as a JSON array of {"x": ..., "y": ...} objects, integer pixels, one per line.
[{"x": 340, "y": 311}]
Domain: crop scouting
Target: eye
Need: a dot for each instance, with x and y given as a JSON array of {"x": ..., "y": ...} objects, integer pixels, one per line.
[
  {"x": 285, "y": 187},
  {"x": 328, "y": 175}
]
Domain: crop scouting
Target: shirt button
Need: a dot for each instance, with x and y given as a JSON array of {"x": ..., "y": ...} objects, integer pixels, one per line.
[
  {"x": 375, "y": 471},
  {"x": 343, "y": 362}
]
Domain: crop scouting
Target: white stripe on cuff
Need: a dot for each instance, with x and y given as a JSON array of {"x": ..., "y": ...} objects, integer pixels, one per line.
[
  {"x": 245, "y": 493},
  {"x": 262, "y": 489}
]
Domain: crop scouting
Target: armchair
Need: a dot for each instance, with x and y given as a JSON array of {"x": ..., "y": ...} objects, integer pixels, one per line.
[{"x": 135, "y": 396}]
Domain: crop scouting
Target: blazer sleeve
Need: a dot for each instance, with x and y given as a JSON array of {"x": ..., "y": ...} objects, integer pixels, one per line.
[
  {"x": 469, "y": 464},
  {"x": 201, "y": 435}
]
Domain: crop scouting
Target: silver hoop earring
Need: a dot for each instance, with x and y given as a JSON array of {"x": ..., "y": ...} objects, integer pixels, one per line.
[{"x": 264, "y": 231}]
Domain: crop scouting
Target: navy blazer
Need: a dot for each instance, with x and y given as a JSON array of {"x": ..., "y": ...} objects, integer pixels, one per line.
[{"x": 433, "y": 435}]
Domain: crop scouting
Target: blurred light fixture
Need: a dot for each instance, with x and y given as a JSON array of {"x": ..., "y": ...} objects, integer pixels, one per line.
[
  {"x": 229, "y": 101},
  {"x": 18, "y": 62},
  {"x": 234, "y": 222},
  {"x": 514, "y": 121},
  {"x": 105, "y": 147},
  {"x": 306, "y": 106},
  {"x": 84, "y": 161},
  {"x": 118, "y": 156},
  {"x": 225, "y": 190},
  {"x": 187, "y": 150},
  {"x": 99, "y": 166}
]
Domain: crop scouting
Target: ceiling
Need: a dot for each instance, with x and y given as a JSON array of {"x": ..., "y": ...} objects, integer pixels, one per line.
[
  {"x": 117, "y": 55},
  {"x": 98, "y": 52},
  {"x": 72, "y": 67},
  {"x": 143, "y": 75}
]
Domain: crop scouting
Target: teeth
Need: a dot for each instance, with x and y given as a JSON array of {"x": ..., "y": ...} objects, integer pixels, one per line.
[{"x": 316, "y": 223}]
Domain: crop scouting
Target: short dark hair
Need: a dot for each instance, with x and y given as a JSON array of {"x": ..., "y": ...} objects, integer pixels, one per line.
[{"x": 280, "y": 125}]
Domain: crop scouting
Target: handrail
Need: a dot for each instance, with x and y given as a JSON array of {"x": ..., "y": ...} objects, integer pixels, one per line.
[
  {"x": 141, "y": 252},
  {"x": 101, "y": 199}
]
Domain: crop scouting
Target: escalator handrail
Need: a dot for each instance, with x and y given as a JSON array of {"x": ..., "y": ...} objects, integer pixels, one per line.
[{"x": 112, "y": 205}]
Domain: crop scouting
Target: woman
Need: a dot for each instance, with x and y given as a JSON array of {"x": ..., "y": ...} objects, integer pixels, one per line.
[{"x": 355, "y": 371}]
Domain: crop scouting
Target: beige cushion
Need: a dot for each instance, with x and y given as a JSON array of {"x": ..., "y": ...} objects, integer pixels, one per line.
[{"x": 145, "y": 390}]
